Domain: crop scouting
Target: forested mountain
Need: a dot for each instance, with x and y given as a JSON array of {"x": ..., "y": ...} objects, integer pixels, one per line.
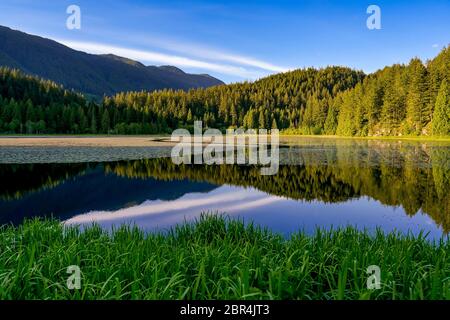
[
  {"x": 287, "y": 100},
  {"x": 89, "y": 73},
  {"x": 402, "y": 99},
  {"x": 32, "y": 105},
  {"x": 411, "y": 99}
]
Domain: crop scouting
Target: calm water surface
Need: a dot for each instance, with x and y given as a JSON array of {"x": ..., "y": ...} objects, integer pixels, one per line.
[{"x": 325, "y": 183}]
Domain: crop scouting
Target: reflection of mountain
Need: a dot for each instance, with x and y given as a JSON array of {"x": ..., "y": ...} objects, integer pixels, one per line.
[
  {"x": 92, "y": 189},
  {"x": 404, "y": 184},
  {"x": 20, "y": 179}
]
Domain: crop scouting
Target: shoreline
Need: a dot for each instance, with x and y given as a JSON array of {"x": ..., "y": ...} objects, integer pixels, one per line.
[
  {"x": 407, "y": 138},
  {"x": 164, "y": 140},
  {"x": 84, "y": 141}
]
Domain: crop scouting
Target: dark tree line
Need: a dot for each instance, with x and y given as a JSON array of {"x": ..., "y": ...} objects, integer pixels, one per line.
[
  {"x": 36, "y": 106},
  {"x": 411, "y": 99}
]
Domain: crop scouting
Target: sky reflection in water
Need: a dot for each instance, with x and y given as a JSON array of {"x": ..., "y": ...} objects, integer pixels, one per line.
[{"x": 279, "y": 214}]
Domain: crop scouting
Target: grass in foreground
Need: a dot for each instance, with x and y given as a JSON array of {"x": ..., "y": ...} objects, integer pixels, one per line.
[{"x": 217, "y": 258}]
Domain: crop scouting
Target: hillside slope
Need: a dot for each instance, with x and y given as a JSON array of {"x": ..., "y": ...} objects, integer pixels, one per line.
[{"x": 90, "y": 73}]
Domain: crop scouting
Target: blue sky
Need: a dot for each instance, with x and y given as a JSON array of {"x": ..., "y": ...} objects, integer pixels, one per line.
[{"x": 242, "y": 40}]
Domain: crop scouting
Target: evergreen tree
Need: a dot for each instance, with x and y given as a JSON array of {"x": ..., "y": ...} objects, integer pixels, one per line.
[
  {"x": 441, "y": 115},
  {"x": 93, "y": 124},
  {"x": 262, "y": 120},
  {"x": 105, "y": 121},
  {"x": 416, "y": 114},
  {"x": 274, "y": 124},
  {"x": 189, "y": 116},
  {"x": 331, "y": 120},
  {"x": 393, "y": 108}
]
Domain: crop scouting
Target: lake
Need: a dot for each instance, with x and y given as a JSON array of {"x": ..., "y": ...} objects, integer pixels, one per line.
[{"x": 322, "y": 182}]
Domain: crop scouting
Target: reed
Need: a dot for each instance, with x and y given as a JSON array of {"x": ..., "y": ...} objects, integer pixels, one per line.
[{"x": 218, "y": 258}]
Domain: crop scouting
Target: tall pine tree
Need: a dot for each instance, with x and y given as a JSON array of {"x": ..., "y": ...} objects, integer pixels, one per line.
[{"x": 441, "y": 115}]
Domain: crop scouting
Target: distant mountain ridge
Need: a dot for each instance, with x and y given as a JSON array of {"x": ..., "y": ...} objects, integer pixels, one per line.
[{"x": 98, "y": 75}]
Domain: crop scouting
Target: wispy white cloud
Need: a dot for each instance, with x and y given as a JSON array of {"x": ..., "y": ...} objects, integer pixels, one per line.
[
  {"x": 198, "y": 203},
  {"x": 252, "y": 62},
  {"x": 212, "y": 53},
  {"x": 435, "y": 45},
  {"x": 153, "y": 57}
]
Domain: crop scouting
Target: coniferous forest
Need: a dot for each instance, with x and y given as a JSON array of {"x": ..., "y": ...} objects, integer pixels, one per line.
[{"x": 412, "y": 99}]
